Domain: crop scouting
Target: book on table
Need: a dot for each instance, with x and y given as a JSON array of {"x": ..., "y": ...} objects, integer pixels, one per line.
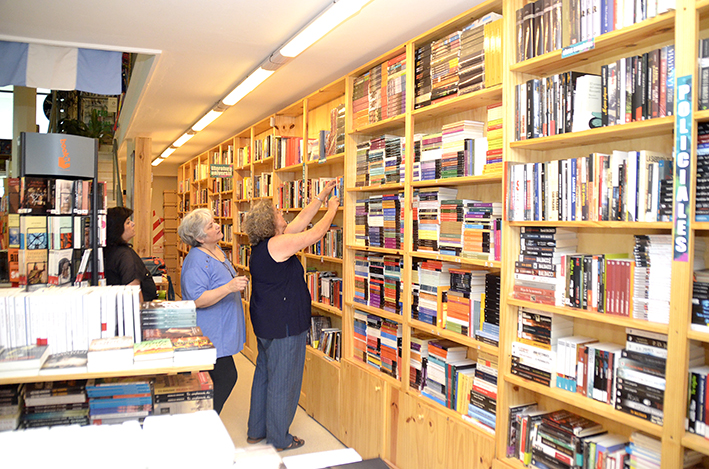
[
  {"x": 193, "y": 351},
  {"x": 61, "y": 363},
  {"x": 24, "y": 359},
  {"x": 110, "y": 354}
]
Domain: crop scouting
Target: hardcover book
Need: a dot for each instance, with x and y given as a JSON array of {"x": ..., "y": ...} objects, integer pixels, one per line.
[
  {"x": 34, "y": 193},
  {"x": 65, "y": 363}
]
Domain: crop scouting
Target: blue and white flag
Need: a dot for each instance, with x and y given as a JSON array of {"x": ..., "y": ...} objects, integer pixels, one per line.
[{"x": 60, "y": 68}]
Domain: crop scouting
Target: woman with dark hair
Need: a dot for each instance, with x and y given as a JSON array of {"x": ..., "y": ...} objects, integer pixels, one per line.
[
  {"x": 122, "y": 265},
  {"x": 280, "y": 313}
]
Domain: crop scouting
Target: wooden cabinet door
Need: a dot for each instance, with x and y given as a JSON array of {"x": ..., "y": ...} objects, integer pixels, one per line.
[
  {"x": 363, "y": 418},
  {"x": 320, "y": 394},
  {"x": 427, "y": 437}
]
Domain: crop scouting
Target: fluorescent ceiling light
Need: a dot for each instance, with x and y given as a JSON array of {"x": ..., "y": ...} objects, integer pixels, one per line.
[
  {"x": 157, "y": 161},
  {"x": 182, "y": 140},
  {"x": 323, "y": 24},
  {"x": 168, "y": 152},
  {"x": 206, "y": 120},
  {"x": 246, "y": 86}
]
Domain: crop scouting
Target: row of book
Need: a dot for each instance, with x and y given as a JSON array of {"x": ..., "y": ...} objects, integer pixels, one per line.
[
  {"x": 458, "y": 299},
  {"x": 322, "y": 336},
  {"x": 630, "y": 377},
  {"x": 325, "y": 287},
  {"x": 441, "y": 371},
  {"x": 226, "y": 156},
  {"x": 378, "y": 282},
  {"x": 701, "y": 196},
  {"x": 102, "y": 401},
  {"x": 60, "y": 267},
  {"x": 621, "y": 185},
  {"x": 288, "y": 151},
  {"x": 329, "y": 142},
  {"x": 456, "y": 227},
  {"x": 631, "y": 89},
  {"x": 380, "y": 161},
  {"x": 262, "y": 185},
  {"x": 380, "y": 93},
  {"x": 458, "y": 150},
  {"x": 377, "y": 342},
  {"x": 223, "y": 184},
  {"x": 544, "y": 26},
  {"x": 379, "y": 220},
  {"x": 43, "y": 196},
  {"x": 461, "y": 62},
  {"x": 69, "y": 318},
  {"x": 299, "y": 192},
  {"x": 329, "y": 245},
  {"x": 223, "y": 208}
]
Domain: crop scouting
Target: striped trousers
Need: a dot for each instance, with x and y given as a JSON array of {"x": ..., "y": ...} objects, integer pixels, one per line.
[{"x": 276, "y": 388}]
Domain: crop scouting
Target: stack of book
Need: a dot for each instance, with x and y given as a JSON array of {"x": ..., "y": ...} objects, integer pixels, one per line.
[
  {"x": 393, "y": 286},
  {"x": 396, "y": 86},
  {"x": 472, "y": 58},
  {"x": 427, "y": 216},
  {"x": 115, "y": 353},
  {"x": 330, "y": 342},
  {"x": 433, "y": 281},
  {"x": 540, "y": 272},
  {"x": 489, "y": 331},
  {"x": 377, "y": 92},
  {"x": 480, "y": 230},
  {"x": 361, "y": 227},
  {"x": 390, "y": 337},
  {"x": 429, "y": 166},
  {"x": 360, "y": 100},
  {"x": 422, "y": 93},
  {"x": 376, "y": 280},
  {"x": 482, "y": 407},
  {"x": 534, "y": 350},
  {"x": 54, "y": 403},
  {"x": 653, "y": 271},
  {"x": 25, "y": 360},
  {"x": 392, "y": 204},
  {"x": 183, "y": 393},
  {"x": 464, "y": 300},
  {"x": 457, "y": 141},
  {"x": 701, "y": 206},
  {"x": 362, "y": 165},
  {"x": 444, "y": 67},
  {"x": 418, "y": 361},
  {"x": 572, "y": 432},
  {"x": 375, "y": 221},
  {"x": 700, "y": 301},
  {"x": 440, "y": 354},
  {"x": 640, "y": 375},
  {"x": 359, "y": 336},
  {"x": 116, "y": 400},
  {"x": 191, "y": 350},
  {"x": 166, "y": 315},
  {"x": 153, "y": 353},
  {"x": 493, "y": 154},
  {"x": 361, "y": 277},
  {"x": 10, "y": 408}
]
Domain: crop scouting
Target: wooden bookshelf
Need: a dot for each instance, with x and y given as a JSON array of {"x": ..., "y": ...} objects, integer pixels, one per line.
[{"x": 380, "y": 415}]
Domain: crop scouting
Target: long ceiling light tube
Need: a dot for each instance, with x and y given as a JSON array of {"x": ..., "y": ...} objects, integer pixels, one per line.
[{"x": 336, "y": 13}]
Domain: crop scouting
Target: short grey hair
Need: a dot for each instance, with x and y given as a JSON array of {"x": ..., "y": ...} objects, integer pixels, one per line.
[
  {"x": 260, "y": 222},
  {"x": 193, "y": 226}
]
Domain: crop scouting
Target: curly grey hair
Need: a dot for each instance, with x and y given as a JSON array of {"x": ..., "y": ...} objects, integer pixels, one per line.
[
  {"x": 260, "y": 222},
  {"x": 193, "y": 226}
]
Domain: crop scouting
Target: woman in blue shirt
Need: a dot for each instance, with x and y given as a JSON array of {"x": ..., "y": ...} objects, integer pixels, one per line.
[
  {"x": 210, "y": 280},
  {"x": 280, "y": 314}
]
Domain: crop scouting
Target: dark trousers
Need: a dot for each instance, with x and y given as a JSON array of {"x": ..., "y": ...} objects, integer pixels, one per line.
[
  {"x": 224, "y": 377},
  {"x": 276, "y": 388}
]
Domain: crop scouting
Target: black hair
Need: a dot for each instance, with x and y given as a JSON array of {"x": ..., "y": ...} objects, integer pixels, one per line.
[{"x": 115, "y": 225}]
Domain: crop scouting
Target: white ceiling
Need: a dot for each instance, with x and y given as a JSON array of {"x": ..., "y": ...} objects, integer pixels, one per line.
[{"x": 207, "y": 47}]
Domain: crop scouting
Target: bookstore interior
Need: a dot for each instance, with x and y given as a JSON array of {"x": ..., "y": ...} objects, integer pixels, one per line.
[{"x": 522, "y": 233}]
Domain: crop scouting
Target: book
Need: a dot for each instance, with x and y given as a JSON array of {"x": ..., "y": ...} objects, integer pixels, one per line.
[
  {"x": 65, "y": 363},
  {"x": 35, "y": 194},
  {"x": 172, "y": 332},
  {"x": 193, "y": 350},
  {"x": 110, "y": 353},
  {"x": 26, "y": 357},
  {"x": 154, "y": 349}
]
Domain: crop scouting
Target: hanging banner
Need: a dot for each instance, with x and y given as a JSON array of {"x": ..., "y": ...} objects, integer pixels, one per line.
[
  {"x": 221, "y": 171},
  {"x": 683, "y": 169}
]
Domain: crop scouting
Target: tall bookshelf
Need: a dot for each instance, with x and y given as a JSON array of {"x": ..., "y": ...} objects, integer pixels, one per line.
[{"x": 380, "y": 415}]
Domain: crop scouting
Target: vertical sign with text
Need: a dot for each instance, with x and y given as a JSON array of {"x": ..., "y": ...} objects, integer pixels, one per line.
[{"x": 683, "y": 168}]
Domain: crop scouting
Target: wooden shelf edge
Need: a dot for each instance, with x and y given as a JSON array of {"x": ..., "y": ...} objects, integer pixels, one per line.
[
  {"x": 452, "y": 414},
  {"x": 327, "y": 359},
  {"x": 371, "y": 370},
  {"x": 635, "y": 225},
  {"x": 456, "y": 259},
  {"x": 328, "y": 308},
  {"x": 696, "y": 442},
  {"x": 106, "y": 374},
  {"x": 377, "y": 312},
  {"x": 322, "y": 258},
  {"x": 592, "y": 316},
  {"x": 454, "y": 336},
  {"x": 586, "y": 403}
]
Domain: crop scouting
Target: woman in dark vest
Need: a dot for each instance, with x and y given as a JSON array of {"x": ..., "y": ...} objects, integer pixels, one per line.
[{"x": 280, "y": 314}]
